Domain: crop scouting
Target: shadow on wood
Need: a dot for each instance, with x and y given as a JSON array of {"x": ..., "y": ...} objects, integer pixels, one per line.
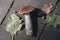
[{"x": 34, "y": 15}]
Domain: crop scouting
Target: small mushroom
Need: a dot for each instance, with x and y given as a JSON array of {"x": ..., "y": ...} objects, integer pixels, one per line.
[{"x": 28, "y": 24}]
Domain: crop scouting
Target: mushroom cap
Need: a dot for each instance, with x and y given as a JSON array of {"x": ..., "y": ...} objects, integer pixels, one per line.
[{"x": 26, "y": 9}]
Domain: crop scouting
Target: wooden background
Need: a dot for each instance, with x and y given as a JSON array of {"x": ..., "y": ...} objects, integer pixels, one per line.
[{"x": 7, "y": 7}]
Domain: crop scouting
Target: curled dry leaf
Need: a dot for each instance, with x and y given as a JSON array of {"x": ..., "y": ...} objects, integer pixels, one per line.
[{"x": 47, "y": 7}]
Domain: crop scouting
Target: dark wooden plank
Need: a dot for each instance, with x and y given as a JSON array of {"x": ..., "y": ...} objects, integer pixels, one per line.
[
  {"x": 18, "y": 4},
  {"x": 51, "y": 34},
  {"x": 4, "y": 6}
]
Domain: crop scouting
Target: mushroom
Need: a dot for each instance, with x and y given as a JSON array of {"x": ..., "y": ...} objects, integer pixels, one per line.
[{"x": 28, "y": 24}]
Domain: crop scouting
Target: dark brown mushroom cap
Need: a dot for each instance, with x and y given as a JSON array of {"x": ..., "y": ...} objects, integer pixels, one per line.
[{"x": 25, "y": 9}]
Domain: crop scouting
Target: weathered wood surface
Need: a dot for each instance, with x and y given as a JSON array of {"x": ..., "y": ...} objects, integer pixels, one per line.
[
  {"x": 50, "y": 33},
  {"x": 18, "y": 4},
  {"x": 57, "y": 10},
  {"x": 4, "y": 35},
  {"x": 4, "y": 6}
]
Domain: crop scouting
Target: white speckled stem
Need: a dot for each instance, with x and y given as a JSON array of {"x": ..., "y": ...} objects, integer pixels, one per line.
[{"x": 28, "y": 24}]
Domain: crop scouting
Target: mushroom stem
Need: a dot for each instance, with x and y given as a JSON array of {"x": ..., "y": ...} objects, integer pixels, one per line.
[{"x": 28, "y": 24}]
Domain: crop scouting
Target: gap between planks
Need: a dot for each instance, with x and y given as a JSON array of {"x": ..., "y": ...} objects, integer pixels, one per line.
[{"x": 8, "y": 11}]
